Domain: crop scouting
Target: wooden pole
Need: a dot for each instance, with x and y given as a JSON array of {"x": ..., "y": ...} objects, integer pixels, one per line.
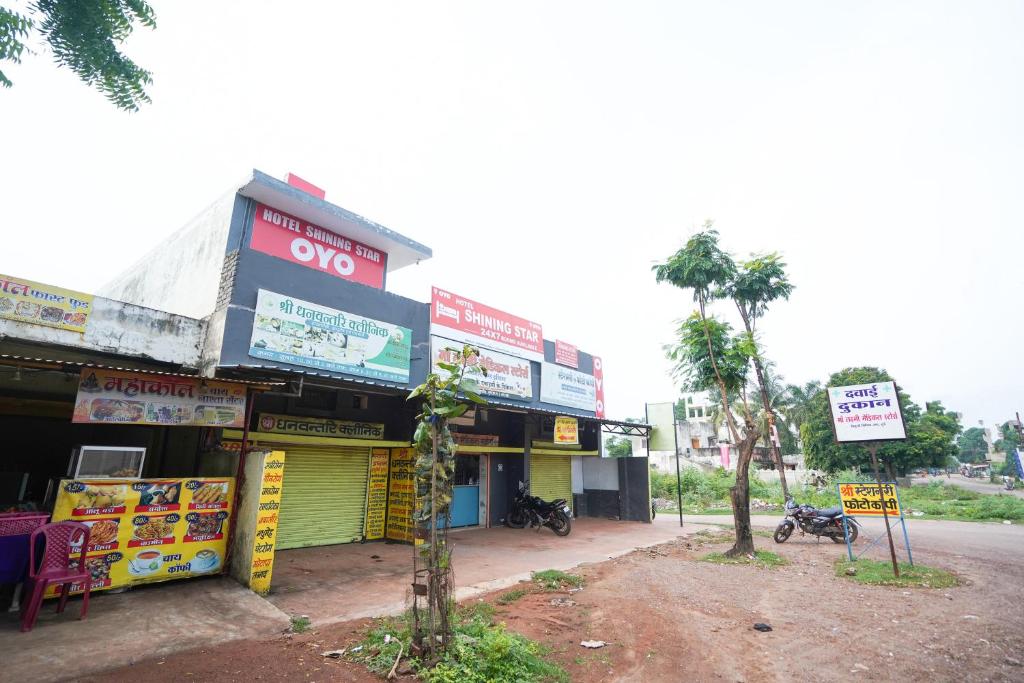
[{"x": 873, "y": 450}]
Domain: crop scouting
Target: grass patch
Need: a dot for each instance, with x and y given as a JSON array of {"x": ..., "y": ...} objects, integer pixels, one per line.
[
  {"x": 553, "y": 579},
  {"x": 511, "y": 596},
  {"x": 300, "y": 624},
  {"x": 879, "y": 573},
  {"x": 481, "y": 651},
  {"x": 762, "y": 558},
  {"x": 708, "y": 494}
]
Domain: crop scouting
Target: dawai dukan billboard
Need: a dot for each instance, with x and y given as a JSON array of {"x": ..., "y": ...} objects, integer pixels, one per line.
[
  {"x": 292, "y": 239},
  {"x": 471, "y": 322}
]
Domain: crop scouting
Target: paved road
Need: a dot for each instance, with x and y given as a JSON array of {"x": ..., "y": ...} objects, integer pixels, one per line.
[
  {"x": 979, "y": 485},
  {"x": 980, "y": 540}
]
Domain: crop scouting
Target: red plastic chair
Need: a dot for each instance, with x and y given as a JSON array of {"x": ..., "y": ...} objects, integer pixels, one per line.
[{"x": 55, "y": 567}]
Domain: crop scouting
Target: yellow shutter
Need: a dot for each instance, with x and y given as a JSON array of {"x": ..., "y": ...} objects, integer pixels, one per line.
[
  {"x": 551, "y": 477},
  {"x": 323, "y": 499}
]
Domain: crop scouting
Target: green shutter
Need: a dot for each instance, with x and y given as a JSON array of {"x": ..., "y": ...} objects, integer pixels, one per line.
[
  {"x": 551, "y": 477},
  {"x": 323, "y": 500}
]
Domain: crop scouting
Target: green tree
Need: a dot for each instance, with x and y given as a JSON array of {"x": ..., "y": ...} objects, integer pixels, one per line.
[
  {"x": 83, "y": 36},
  {"x": 931, "y": 435},
  {"x": 1008, "y": 442},
  {"x": 435, "y": 465},
  {"x": 616, "y": 447},
  {"x": 754, "y": 285},
  {"x": 972, "y": 446},
  {"x": 797, "y": 406}
]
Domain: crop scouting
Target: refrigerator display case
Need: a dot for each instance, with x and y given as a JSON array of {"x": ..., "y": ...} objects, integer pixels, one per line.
[{"x": 120, "y": 462}]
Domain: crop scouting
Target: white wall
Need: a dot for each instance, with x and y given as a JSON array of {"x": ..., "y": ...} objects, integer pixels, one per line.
[
  {"x": 182, "y": 274},
  {"x": 600, "y": 474}
]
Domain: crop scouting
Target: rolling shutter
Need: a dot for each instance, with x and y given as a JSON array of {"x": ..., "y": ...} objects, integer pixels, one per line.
[
  {"x": 551, "y": 477},
  {"x": 323, "y": 498}
]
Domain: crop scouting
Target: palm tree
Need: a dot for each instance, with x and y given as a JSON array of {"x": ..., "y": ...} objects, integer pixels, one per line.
[
  {"x": 757, "y": 283},
  {"x": 798, "y": 407}
]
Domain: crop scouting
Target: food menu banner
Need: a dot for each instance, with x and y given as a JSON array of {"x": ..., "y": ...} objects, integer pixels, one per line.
[
  {"x": 265, "y": 536},
  {"x": 25, "y": 301},
  {"x": 377, "y": 493},
  {"x": 401, "y": 494},
  {"x": 113, "y": 396},
  {"x": 298, "y": 332},
  {"x": 146, "y": 530}
]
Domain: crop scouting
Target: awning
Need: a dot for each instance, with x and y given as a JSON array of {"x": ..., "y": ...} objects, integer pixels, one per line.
[
  {"x": 60, "y": 364},
  {"x": 399, "y": 388}
]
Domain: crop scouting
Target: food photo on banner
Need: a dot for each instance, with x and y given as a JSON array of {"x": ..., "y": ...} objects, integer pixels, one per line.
[
  {"x": 302, "y": 333},
  {"x": 25, "y": 301},
  {"x": 148, "y": 530}
]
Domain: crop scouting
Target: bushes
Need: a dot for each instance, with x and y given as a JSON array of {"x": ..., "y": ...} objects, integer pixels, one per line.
[{"x": 705, "y": 490}]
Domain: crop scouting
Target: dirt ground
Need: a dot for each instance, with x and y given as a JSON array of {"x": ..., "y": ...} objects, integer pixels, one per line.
[{"x": 666, "y": 616}]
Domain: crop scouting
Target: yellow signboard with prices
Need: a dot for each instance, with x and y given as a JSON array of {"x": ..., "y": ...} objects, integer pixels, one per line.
[
  {"x": 146, "y": 530},
  {"x": 864, "y": 498},
  {"x": 567, "y": 431},
  {"x": 265, "y": 537}
]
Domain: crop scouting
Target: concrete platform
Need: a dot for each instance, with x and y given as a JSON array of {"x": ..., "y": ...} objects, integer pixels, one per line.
[
  {"x": 127, "y": 627},
  {"x": 337, "y": 583}
]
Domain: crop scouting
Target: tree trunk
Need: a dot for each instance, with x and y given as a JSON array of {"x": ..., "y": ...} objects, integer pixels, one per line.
[
  {"x": 890, "y": 470},
  {"x": 740, "y": 495},
  {"x": 769, "y": 413}
]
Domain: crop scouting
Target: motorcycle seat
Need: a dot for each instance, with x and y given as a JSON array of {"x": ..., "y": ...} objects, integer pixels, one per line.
[{"x": 830, "y": 512}]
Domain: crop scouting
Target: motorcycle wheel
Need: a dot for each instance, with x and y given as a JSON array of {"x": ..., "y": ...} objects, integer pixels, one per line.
[
  {"x": 853, "y": 534},
  {"x": 561, "y": 524},
  {"x": 515, "y": 520},
  {"x": 783, "y": 532}
]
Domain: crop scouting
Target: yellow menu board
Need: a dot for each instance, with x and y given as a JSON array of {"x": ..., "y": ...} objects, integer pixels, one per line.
[
  {"x": 265, "y": 537},
  {"x": 377, "y": 494},
  {"x": 146, "y": 530},
  {"x": 401, "y": 494}
]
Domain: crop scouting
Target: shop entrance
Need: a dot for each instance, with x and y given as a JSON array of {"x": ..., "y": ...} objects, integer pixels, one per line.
[
  {"x": 551, "y": 477},
  {"x": 466, "y": 493},
  {"x": 506, "y": 470},
  {"x": 323, "y": 496}
]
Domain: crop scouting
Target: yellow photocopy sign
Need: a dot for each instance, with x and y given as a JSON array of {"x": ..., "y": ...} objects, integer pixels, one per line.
[{"x": 862, "y": 498}]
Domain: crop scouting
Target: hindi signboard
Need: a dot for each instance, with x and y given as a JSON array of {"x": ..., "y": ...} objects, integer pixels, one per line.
[
  {"x": 318, "y": 426},
  {"x": 566, "y": 354},
  {"x": 567, "y": 387},
  {"x": 265, "y": 537},
  {"x": 567, "y": 431},
  {"x": 866, "y": 412},
  {"x": 457, "y": 317},
  {"x": 117, "y": 397},
  {"x": 298, "y": 332},
  {"x": 287, "y": 237},
  {"x": 25, "y": 301},
  {"x": 145, "y": 530},
  {"x": 864, "y": 498},
  {"x": 507, "y": 376},
  {"x": 401, "y": 495},
  {"x": 377, "y": 494}
]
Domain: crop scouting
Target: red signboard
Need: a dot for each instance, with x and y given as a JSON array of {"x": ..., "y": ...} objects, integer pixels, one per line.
[
  {"x": 599, "y": 386},
  {"x": 465, "y": 320},
  {"x": 566, "y": 354},
  {"x": 295, "y": 240}
]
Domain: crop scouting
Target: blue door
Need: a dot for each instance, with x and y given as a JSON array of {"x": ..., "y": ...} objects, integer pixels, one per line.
[{"x": 466, "y": 506}]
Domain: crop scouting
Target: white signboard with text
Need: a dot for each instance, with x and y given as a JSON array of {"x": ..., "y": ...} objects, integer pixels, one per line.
[
  {"x": 507, "y": 376},
  {"x": 563, "y": 386},
  {"x": 866, "y": 412}
]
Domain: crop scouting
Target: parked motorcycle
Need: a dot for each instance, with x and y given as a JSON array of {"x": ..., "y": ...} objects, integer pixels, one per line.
[
  {"x": 1008, "y": 483},
  {"x": 531, "y": 511},
  {"x": 827, "y": 522}
]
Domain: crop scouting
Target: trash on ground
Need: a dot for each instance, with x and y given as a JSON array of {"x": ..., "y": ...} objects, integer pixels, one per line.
[
  {"x": 593, "y": 644},
  {"x": 763, "y": 628},
  {"x": 334, "y": 654}
]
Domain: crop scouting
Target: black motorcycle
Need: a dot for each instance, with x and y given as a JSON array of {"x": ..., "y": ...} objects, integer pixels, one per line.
[
  {"x": 531, "y": 511},
  {"x": 827, "y": 522}
]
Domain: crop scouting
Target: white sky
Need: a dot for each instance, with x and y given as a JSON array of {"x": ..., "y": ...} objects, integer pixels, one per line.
[{"x": 550, "y": 153}]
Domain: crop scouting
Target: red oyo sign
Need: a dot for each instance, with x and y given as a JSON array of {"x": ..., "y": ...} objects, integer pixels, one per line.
[
  {"x": 465, "y": 320},
  {"x": 289, "y": 238},
  {"x": 566, "y": 354}
]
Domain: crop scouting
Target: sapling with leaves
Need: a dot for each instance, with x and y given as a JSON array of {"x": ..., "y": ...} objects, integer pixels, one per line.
[{"x": 442, "y": 397}]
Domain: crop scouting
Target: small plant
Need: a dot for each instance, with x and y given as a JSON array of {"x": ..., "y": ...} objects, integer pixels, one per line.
[
  {"x": 511, "y": 596},
  {"x": 761, "y": 558},
  {"x": 879, "y": 573},
  {"x": 553, "y": 579},
  {"x": 300, "y": 624}
]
